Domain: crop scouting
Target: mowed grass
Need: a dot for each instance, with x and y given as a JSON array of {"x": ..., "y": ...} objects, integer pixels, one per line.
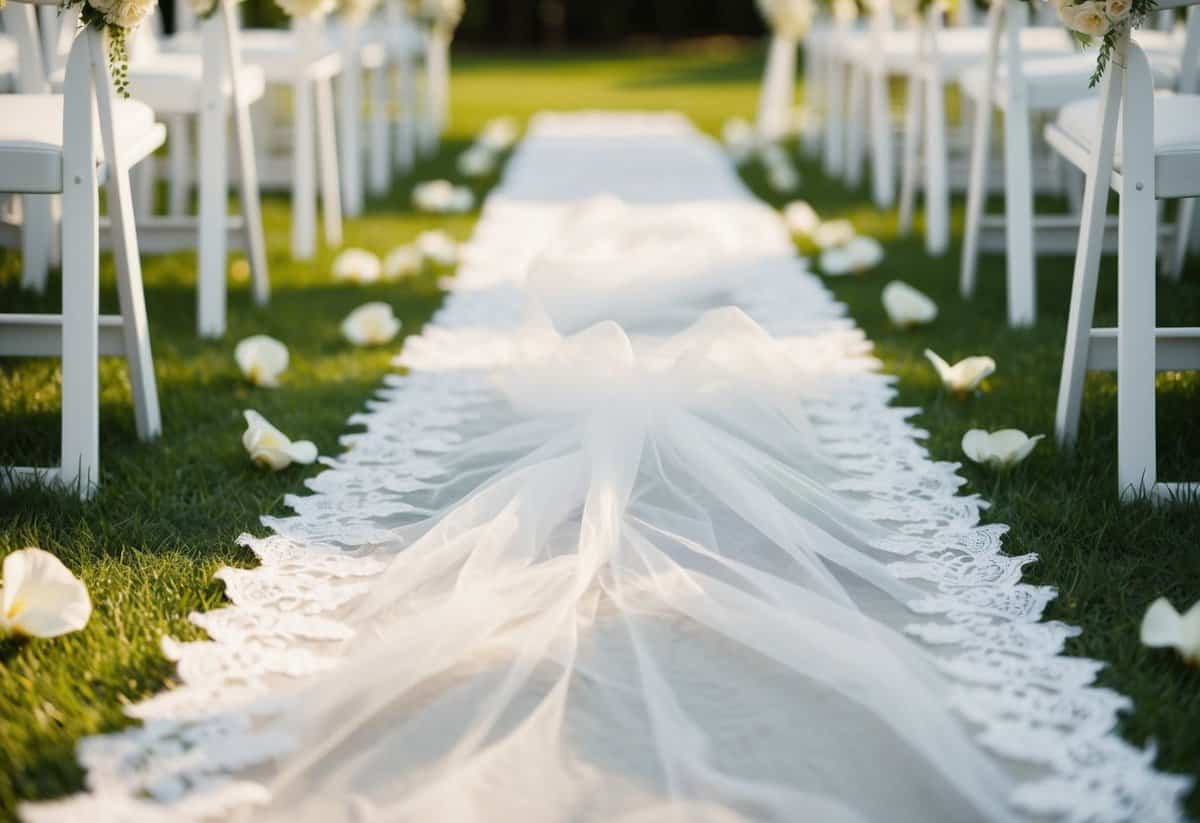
[{"x": 168, "y": 513}]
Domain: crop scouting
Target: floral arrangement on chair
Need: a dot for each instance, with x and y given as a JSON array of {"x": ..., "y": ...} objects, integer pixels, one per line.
[
  {"x": 443, "y": 14},
  {"x": 115, "y": 19},
  {"x": 1107, "y": 20},
  {"x": 788, "y": 18},
  {"x": 356, "y": 12}
]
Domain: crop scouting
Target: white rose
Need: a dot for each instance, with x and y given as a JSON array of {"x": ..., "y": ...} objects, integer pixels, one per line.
[
  {"x": 1090, "y": 19},
  {"x": 1117, "y": 10}
]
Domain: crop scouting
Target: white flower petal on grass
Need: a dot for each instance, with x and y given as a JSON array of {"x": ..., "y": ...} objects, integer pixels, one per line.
[
  {"x": 907, "y": 307},
  {"x": 833, "y": 233},
  {"x": 774, "y": 156},
  {"x": 356, "y": 266},
  {"x": 783, "y": 178},
  {"x": 39, "y": 597},
  {"x": 438, "y": 247},
  {"x": 262, "y": 359},
  {"x": 270, "y": 448},
  {"x": 835, "y": 262},
  {"x": 1165, "y": 628},
  {"x": 739, "y": 138},
  {"x": 477, "y": 161},
  {"x": 372, "y": 324},
  {"x": 999, "y": 449},
  {"x": 403, "y": 261},
  {"x": 499, "y": 134},
  {"x": 801, "y": 218},
  {"x": 865, "y": 253},
  {"x": 442, "y": 197},
  {"x": 965, "y": 375}
]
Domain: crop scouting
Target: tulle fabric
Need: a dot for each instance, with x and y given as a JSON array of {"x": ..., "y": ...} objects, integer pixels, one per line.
[{"x": 634, "y": 597}]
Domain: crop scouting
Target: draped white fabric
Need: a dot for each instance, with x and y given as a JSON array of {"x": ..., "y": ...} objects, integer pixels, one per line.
[{"x": 636, "y": 538}]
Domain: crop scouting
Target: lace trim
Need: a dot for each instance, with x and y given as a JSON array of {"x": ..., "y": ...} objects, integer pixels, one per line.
[{"x": 984, "y": 625}]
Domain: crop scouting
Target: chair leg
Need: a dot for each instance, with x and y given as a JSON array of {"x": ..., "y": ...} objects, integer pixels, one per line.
[
  {"x": 937, "y": 189},
  {"x": 981, "y": 138},
  {"x": 1138, "y": 233},
  {"x": 131, "y": 294},
  {"x": 912, "y": 150},
  {"x": 214, "y": 189},
  {"x": 883, "y": 171},
  {"x": 835, "y": 123},
  {"x": 179, "y": 160},
  {"x": 1018, "y": 211},
  {"x": 380, "y": 179},
  {"x": 256, "y": 246},
  {"x": 304, "y": 169},
  {"x": 977, "y": 183},
  {"x": 814, "y": 102},
  {"x": 37, "y": 237},
  {"x": 349, "y": 113},
  {"x": 80, "y": 288},
  {"x": 331, "y": 202},
  {"x": 406, "y": 135},
  {"x": 1087, "y": 267},
  {"x": 142, "y": 178},
  {"x": 856, "y": 127}
]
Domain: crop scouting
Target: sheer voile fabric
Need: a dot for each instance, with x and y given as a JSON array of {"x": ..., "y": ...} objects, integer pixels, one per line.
[{"x": 637, "y": 537}]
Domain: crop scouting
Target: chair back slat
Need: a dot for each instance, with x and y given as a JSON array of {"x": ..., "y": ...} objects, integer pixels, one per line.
[{"x": 20, "y": 21}]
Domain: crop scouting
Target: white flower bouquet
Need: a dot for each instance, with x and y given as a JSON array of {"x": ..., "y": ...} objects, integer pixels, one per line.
[
  {"x": 1106, "y": 20},
  {"x": 444, "y": 14}
]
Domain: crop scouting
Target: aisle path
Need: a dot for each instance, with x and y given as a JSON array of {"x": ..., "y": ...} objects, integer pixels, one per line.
[{"x": 642, "y": 220}]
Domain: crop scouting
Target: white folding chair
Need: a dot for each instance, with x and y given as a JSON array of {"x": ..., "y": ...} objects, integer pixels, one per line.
[
  {"x": 1145, "y": 147},
  {"x": 932, "y": 159},
  {"x": 1022, "y": 89},
  {"x": 70, "y": 144},
  {"x": 406, "y": 50},
  {"x": 301, "y": 61},
  {"x": 365, "y": 52}
]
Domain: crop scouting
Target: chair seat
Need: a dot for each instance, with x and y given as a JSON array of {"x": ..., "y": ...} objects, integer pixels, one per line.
[
  {"x": 1176, "y": 139},
  {"x": 174, "y": 83},
  {"x": 1055, "y": 81},
  {"x": 31, "y": 139},
  {"x": 277, "y": 52},
  {"x": 959, "y": 48}
]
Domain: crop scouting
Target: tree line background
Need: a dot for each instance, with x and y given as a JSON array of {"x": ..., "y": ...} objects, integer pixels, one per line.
[{"x": 558, "y": 23}]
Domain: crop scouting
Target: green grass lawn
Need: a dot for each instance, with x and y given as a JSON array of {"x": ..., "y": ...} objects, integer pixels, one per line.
[{"x": 167, "y": 513}]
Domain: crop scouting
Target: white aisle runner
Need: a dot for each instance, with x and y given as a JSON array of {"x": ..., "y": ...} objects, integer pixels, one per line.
[{"x": 637, "y": 538}]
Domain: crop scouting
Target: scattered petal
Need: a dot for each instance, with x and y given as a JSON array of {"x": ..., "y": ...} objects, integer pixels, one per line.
[
  {"x": 39, "y": 597},
  {"x": 739, "y": 138},
  {"x": 403, "y": 261},
  {"x": 270, "y": 448},
  {"x": 1165, "y": 628},
  {"x": 438, "y": 247},
  {"x": 907, "y": 307},
  {"x": 965, "y": 375},
  {"x": 262, "y": 359},
  {"x": 477, "y": 161},
  {"x": 1000, "y": 449},
  {"x": 443, "y": 197},
  {"x": 356, "y": 266},
  {"x": 801, "y": 218},
  {"x": 372, "y": 324},
  {"x": 499, "y": 134},
  {"x": 783, "y": 178},
  {"x": 833, "y": 233}
]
